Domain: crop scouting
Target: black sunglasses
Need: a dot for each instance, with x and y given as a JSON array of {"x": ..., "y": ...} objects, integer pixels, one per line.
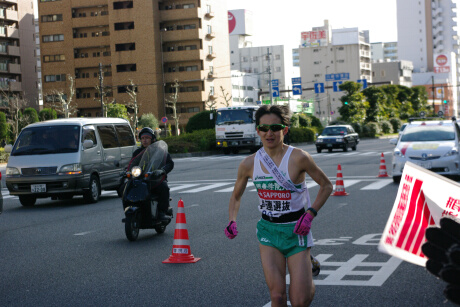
[{"x": 274, "y": 127}]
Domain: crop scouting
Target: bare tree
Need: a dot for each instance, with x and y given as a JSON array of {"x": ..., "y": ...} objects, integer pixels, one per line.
[
  {"x": 171, "y": 102},
  {"x": 15, "y": 104},
  {"x": 227, "y": 97},
  {"x": 106, "y": 98},
  {"x": 62, "y": 100},
  {"x": 132, "y": 103}
]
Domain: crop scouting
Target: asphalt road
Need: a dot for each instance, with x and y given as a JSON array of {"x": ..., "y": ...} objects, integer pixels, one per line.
[{"x": 66, "y": 253}]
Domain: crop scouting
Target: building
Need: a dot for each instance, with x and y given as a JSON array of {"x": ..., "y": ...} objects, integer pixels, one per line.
[
  {"x": 38, "y": 65},
  {"x": 342, "y": 55},
  {"x": 396, "y": 72},
  {"x": 17, "y": 65},
  {"x": 152, "y": 44},
  {"x": 384, "y": 51},
  {"x": 245, "y": 89},
  {"x": 427, "y": 36}
]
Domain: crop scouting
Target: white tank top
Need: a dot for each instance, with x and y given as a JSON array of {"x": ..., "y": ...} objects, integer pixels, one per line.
[{"x": 275, "y": 200}]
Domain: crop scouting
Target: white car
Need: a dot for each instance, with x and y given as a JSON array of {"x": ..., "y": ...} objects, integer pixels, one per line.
[{"x": 433, "y": 145}]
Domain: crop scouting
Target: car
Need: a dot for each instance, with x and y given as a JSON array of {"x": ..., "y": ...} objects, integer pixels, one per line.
[
  {"x": 337, "y": 137},
  {"x": 433, "y": 145},
  {"x": 403, "y": 126}
]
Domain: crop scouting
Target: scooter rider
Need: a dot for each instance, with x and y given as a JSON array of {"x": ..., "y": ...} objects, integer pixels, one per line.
[{"x": 147, "y": 137}]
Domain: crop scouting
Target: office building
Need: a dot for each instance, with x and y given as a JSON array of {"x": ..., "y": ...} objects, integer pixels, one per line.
[
  {"x": 384, "y": 51},
  {"x": 394, "y": 72}
]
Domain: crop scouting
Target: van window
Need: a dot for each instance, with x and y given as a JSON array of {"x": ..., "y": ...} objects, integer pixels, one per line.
[
  {"x": 125, "y": 135},
  {"x": 89, "y": 134},
  {"x": 108, "y": 136}
]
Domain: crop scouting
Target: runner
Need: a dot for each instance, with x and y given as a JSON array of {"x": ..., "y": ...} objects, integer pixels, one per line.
[{"x": 284, "y": 230}]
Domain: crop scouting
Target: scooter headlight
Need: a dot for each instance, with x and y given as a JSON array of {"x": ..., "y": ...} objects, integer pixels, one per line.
[{"x": 136, "y": 171}]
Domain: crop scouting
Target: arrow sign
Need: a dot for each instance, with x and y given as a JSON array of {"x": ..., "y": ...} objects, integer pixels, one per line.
[
  {"x": 296, "y": 89},
  {"x": 336, "y": 86},
  {"x": 275, "y": 91},
  {"x": 319, "y": 88},
  {"x": 363, "y": 82}
]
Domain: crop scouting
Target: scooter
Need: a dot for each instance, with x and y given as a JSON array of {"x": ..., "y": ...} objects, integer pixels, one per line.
[{"x": 140, "y": 206}]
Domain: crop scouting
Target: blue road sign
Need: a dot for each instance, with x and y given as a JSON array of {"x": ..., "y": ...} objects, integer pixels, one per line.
[
  {"x": 296, "y": 81},
  {"x": 336, "y": 86},
  {"x": 275, "y": 91},
  {"x": 363, "y": 82},
  {"x": 319, "y": 88},
  {"x": 275, "y": 82},
  {"x": 337, "y": 77},
  {"x": 297, "y": 89},
  {"x": 259, "y": 102}
]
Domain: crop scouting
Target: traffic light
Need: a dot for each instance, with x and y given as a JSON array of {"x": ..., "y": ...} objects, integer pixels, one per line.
[
  {"x": 444, "y": 101},
  {"x": 346, "y": 102}
]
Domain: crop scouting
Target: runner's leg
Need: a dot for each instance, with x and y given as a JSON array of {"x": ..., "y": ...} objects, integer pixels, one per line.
[
  {"x": 301, "y": 287},
  {"x": 274, "y": 265}
]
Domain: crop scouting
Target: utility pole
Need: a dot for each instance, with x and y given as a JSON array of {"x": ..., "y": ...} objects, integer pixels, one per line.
[
  {"x": 433, "y": 90},
  {"x": 101, "y": 91},
  {"x": 270, "y": 76},
  {"x": 329, "y": 109}
]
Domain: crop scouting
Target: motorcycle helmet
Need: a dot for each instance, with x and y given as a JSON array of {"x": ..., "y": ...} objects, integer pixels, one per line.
[{"x": 148, "y": 131}]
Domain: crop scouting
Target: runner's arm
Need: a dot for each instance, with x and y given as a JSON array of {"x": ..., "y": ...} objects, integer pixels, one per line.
[{"x": 244, "y": 173}]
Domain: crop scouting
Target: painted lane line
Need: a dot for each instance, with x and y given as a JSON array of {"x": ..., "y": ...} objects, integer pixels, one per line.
[
  {"x": 377, "y": 185},
  {"x": 182, "y": 186},
  {"x": 209, "y": 187},
  {"x": 250, "y": 184},
  {"x": 83, "y": 233},
  {"x": 348, "y": 183}
]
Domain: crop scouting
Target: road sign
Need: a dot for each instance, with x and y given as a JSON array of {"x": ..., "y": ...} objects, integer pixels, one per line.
[
  {"x": 259, "y": 102},
  {"x": 440, "y": 113},
  {"x": 319, "y": 88},
  {"x": 275, "y": 91},
  {"x": 336, "y": 86},
  {"x": 296, "y": 81},
  {"x": 422, "y": 114},
  {"x": 337, "y": 77},
  {"x": 275, "y": 82},
  {"x": 363, "y": 82},
  {"x": 296, "y": 89},
  {"x": 164, "y": 119}
]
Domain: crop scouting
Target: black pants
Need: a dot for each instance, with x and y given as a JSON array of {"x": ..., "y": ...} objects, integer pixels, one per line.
[{"x": 162, "y": 191}]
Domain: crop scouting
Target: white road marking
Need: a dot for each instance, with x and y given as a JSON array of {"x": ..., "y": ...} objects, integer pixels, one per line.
[
  {"x": 377, "y": 185},
  {"x": 83, "y": 233},
  {"x": 209, "y": 187},
  {"x": 183, "y": 186}
]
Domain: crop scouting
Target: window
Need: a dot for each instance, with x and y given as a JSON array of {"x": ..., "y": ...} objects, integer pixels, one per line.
[
  {"x": 89, "y": 134},
  {"x": 245, "y": 59},
  {"x": 55, "y": 78},
  {"x": 123, "y": 5},
  {"x": 108, "y": 136},
  {"x": 54, "y": 58},
  {"x": 208, "y": 9},
  {"x": 277, "y": 57},
  {"x": 316, "y": 62},
  {"x": 51, "y": 18},
  {"x": 188, "y": 6},
  {"x": 211, "y": 90},
  {"x": 124, "y": 89},
  {"x": 124, "y": 26},
  {"x": 125, "y": 135},
  {"x": 382, "y": 73},
  {"x": 189, "y": 27},
  {"x": 256, "y": 70},
  {"x": 53, "y": 38},
  {"x": 277, "y": 69},
  {"x": 126, "y": 67},
  {"x": 255, "y": 58},
  {"x": 125, "y": 47},
  {"x": 209, "y": 29}
]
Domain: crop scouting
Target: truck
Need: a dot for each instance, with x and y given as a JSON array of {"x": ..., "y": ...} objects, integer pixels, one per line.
[{"x": 236, "y": 129}]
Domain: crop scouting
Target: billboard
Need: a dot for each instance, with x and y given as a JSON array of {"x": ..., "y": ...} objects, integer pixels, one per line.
[
  {"x": 441, "y": 63},
  {"x": 314, "y": 38},
  {"x": 239, "y": 22}
]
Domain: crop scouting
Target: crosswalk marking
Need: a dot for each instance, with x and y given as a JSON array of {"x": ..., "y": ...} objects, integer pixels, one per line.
[
  {"x": 248, "y": 185},
  {"x": 208, "y": 187},
  {"x": 377, "y": 185},
  {"x": 183, "y": 186},
  {"x": 348, "y": 183}
]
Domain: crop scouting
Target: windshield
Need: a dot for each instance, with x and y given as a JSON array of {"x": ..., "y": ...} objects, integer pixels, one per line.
[
  {"x": 47, "y": 140},
  {"x": 153, "y": 158},
  {"x": 334, "y": 131},
  {"x": 424, "y": 133},
  {"x": 240, "y": 116}
]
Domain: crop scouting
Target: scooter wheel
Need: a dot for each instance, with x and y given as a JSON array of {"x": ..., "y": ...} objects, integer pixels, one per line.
[
  {"x": 131, "y": 228},
  {"x": 160, "y": 229}
]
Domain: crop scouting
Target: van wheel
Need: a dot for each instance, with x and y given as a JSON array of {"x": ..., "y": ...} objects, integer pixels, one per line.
[
  {"x": 354, "y": 147},
  {"x": 318, "y": 150},
  {"x": 92, "y": 195},
  {"x": 226, "y": 151},
  {"x": 27, "y": 200}
]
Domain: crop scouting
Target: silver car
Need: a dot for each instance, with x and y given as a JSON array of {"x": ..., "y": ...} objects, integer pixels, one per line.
[{"x": 433, "y": 145}]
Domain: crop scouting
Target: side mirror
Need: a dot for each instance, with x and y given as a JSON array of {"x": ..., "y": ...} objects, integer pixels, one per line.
[
  {"x": 8, "y": 148},
  {"x": 87, "y": 144},
  {"x": 394, "y": 141},
  {"x": 316, "y": 134}
]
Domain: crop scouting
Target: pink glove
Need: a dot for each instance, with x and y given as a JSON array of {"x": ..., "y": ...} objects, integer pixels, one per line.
[
  {"x": 230, "y": 230},
  {"x": 303, "y": 225}
]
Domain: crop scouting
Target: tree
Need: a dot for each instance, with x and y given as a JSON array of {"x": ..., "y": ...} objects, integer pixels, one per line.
[
  {"x": 15, "y": 105},
  {"x": 375, "y": 97},
  {"x": 106, "y": 98},
  {"x": 419, "y": 99},
  {"x": 148, "y": 120},
  {"x": 62, "y": 100},
  {"x": 392, "y": 104},
  {"x": 117, "y": 110},
  {"x": 353, "y": 109},
  {"x": 227, "y": 97},
  {"x": 30, "y": 115},
  {"x": 47, "y": 114},
  {"x": 3, "y": 128},
  {"x": 132, "y": 103},
  {"x": 171, "y": 102}
]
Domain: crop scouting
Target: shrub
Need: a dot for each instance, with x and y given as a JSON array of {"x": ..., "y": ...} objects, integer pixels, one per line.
[
  {"x": 338, "y": 122},
  {"x": 386, "y": 126},
  {"x": 148, "y": 120},
  {"x": 295, "y": 121},
  {"x": 3, "y": 127},
  {"x": 301, "y": 135},
  {"x": 304, "y": 120},
  {"x": 200, "y": 140},
  {"x": 358, "y": 128},
  {"x": 200, "y": 121},
  {"x": 31, "y": 115},
  {"x": 315, "y": 122},
  {"x": 4, "y": 156},
  {"x": 371, "y": 129},
  {"x": 396, "y": 123},
  {"x": 47, "y": 114}
]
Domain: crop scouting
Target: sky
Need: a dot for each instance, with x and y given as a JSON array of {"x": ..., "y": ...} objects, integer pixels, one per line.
[{"x": 278, "y": 22}]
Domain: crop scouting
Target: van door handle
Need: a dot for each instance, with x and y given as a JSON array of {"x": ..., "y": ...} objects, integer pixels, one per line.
[{"x": 99, "y": 153}]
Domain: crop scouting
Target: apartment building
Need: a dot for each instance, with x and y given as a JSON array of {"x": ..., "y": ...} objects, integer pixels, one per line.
[
  {"x": 396, "y": 72},
  {"x": 151, "y": 43},
  {"x": 17, "y": 66},
  {"x": 387, "y": 51},
  {"x": 38, "y": 65}
]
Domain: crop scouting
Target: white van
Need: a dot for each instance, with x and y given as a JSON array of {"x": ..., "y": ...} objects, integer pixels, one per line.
[{"x": 66, "y": 157}]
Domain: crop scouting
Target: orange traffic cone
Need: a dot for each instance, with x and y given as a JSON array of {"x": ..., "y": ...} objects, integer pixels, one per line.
[
  {"x": 181, "y": 248},
  {"x": 382, "y": 168},
  {"x": 339, "y": 187}
]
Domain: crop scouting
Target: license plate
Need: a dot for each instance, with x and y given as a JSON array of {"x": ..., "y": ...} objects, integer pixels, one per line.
[
  {"x": 38, "y": 188},
  {"x": 329, "y": 145},
  {"x": 426, "y": 165},
  {"x": 235, "y": 143},
  {"x": 224, "y": 144}
]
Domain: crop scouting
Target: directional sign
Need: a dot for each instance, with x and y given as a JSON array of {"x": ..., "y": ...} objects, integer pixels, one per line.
[
  {"x": 319, "y": 88},
  {"x": 296, "y": 89},
  {"x": 296, "y": 80},
  {"x": 275, "y": 82},
  {"x": 336, "y": 86},
  {"x": 259, "y": 102},
  {"x": 363, "y": 82},
  {"x": 275, "y": 91},
  {"x": 337, "y": 77}
]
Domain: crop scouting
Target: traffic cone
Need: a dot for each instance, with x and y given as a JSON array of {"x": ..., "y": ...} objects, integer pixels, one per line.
[
  {"x": 181, "y": 252},
  {"x": 339, "y": 187},
  {"x": 382, "y": 168}
]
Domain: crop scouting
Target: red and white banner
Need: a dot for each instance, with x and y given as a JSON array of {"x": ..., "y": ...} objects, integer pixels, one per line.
[{"x": 423, "y": 198}]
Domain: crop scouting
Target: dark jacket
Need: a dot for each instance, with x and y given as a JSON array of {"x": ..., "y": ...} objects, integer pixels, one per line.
[{"x": 169, "y": 162}]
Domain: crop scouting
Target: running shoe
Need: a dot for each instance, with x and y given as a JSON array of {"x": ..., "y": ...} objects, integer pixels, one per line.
[{"x": 315, "y": 266}]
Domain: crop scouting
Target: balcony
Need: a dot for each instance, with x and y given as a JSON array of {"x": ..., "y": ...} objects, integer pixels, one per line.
[
  {"x": 15, "y": 86},
  {"x": 11, "y": 15},
  {"x": 91, "y": 61},
  {"x": 14, "y": 68},
  {"x": 12, "y": 32},
  {"x": 210, "y": 35},
  {"x": 211, "y": 56},
  {"x": 91, "y": 41},
  {"x": 90, "y": 3},
  {"x": 180, "y": 14},
  {"x": 91, "y": 21},
  {"x": 88, "y": 103},
  {"x": 182, "y": 56},
  {"x": 209, "y": 15},
  {"x": 191, "y": 96},
  {"x": 182, "y": 35},
  {"x": 212, "y": 75},
  {"x": 185, "y": 76},
  {"x": 13, "y": 50}
]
